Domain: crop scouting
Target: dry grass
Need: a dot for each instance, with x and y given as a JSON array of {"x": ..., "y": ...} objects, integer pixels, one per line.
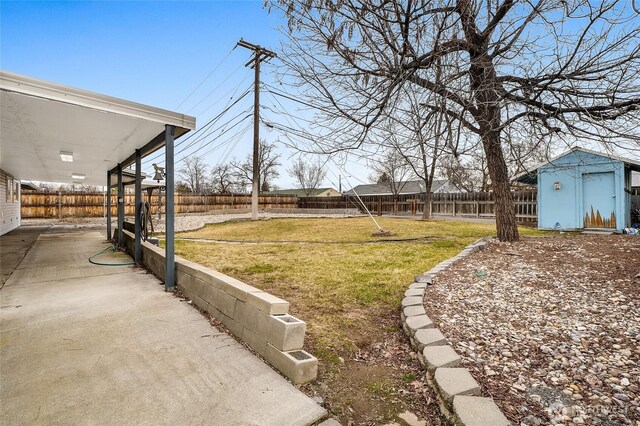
[
  {"x": 331, "y": 286},
  {"x": 347, "y": 286}
]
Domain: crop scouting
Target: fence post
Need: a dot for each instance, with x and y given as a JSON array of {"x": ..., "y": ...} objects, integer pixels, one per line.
[
  {"x": 454, "y": 207},
  {"x": 379, "y": 206},
  {"x": 59, "y": 205},
  {"x": 477, "y": 208}
]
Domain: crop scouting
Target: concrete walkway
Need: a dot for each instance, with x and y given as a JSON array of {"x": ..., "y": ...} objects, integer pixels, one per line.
[{"x": 89, "y": 344}]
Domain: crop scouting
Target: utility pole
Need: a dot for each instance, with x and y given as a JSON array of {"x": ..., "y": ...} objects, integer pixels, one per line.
[{"x": 259, "y": 54}]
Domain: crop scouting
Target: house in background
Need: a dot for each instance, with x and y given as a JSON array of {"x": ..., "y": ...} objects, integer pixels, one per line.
[
  {"x": 407, "y": 188},
  {"x": 583, "y": 189},
  {"x": 300, "y": 193}
]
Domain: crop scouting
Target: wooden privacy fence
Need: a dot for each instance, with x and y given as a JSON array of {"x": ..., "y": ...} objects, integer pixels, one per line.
[
  {"x": 93, "y": 204},
  {"x": 481, "y": 204},
  {"x": 80, "y": 204},
  {"x": 471, "y": 204}
]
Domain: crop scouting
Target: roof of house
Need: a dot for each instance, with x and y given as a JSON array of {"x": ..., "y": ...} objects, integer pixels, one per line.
[
  {"x": 43, "y": 121},
  {"x": 530, "y": 176},
  {"x": 409, "y": 187},
  {"x": 299, "y": 192}
]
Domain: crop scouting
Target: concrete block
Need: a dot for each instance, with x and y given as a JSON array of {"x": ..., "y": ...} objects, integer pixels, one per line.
[
  {"x": 418, "y": 285},
  {"x": 183, "y": 280},
  {"x": 478, "y": 411},
  {"x": 411, "y": 301},
  {"x": 414, "y": 292},
  {"x": 286, "y": 332},
  {"x": 412, "y": 311},
  {"x": 234, "y": 287},
  {"x": 200, "y": 303},
  {"x": 251, "y": 318},
  {"x": 440, "y": 356},
  {"x": 424, "y": 278},
  {"x": 214, "y": 312},
  {"x": 195, "y": 270},
  {"x": 299, "y": 366},
  {"x": 234, "y": 327},
  {"x": 268, "y": 303},
  {"x": 455, "y": 381},
  {"x": 418, "y": 322},
  {"x": 196, "y": 287},
  {"x": 208, "y": 291},
  {"x": 256, "y": 342},
  {"x": 429, "y": 337},
  {"x": 224, "y": 302}
]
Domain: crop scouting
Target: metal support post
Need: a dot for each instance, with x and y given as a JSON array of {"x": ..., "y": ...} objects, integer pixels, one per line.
[
  {"x": 137, "y": 252},
  {"x": 108, "y": 205},
  {"x": 120, "y": 206},
  {"x": 169, "y": 273}
]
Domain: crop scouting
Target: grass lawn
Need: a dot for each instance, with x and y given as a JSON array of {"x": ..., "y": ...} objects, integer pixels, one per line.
[{"x": 346, "y": 284}]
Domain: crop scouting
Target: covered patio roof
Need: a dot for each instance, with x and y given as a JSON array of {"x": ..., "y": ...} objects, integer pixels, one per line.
[{"x": 40, "y": 120}]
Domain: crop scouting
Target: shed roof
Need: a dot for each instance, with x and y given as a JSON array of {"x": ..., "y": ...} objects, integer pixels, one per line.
[
  {"x": 41, "y": 119},
  {"x": 530, "y": 177}
]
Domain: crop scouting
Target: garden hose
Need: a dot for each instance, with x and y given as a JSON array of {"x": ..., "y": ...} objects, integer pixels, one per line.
[{"x": 113, "y": 249}]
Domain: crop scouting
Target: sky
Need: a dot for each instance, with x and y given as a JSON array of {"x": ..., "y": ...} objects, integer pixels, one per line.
[
  {"x": 174, "y": 55},
  {"x": 157, "y": 53}
]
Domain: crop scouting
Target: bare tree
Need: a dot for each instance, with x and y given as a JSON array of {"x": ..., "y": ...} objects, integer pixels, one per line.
[
  {"x": 222, "y": 179},
  {"x": 268, "y": 160},
  {"x": 552, "y": 71},
  {"x": 391, "y": 170},
  {"x": 470, "y": 176},
  {"x": 194, "y": 174},
  {"x": 308, "y": 175}
]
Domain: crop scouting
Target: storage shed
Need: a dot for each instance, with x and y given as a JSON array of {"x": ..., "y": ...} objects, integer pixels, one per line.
[{"x": 583, "y": 189}]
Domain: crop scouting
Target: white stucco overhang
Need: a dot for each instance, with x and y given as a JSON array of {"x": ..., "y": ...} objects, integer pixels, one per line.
[{"x": 40, "y": 119}]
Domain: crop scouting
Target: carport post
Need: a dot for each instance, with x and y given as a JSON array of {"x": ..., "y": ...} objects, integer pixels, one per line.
[
  {"x": 109, "y": 205},
  {"x": 138, "y": 209},
  {"x": 169, "y": 273},
  {"x": 120, "y": 206}
]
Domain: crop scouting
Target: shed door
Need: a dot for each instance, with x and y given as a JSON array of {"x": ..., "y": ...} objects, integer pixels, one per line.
[{"x": 598, "y": 191}]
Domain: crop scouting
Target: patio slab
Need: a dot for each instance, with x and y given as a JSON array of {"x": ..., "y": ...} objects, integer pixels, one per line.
[{"x": 89, "y": 344}]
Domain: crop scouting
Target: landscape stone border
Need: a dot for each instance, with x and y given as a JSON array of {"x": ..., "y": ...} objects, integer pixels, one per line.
[{"x": 458, "y": 393}]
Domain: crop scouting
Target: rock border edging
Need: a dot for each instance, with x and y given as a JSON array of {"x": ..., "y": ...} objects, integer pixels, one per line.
[{"x": 458, "y": 393}]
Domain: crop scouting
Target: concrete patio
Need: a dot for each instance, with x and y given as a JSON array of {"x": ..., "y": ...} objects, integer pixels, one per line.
[{"x": 90, "y": 344}]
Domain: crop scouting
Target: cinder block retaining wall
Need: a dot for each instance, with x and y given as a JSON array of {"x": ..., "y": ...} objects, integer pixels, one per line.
[
  {"x": 458, "y": 393},
  {"x": 260, "y": 319}
]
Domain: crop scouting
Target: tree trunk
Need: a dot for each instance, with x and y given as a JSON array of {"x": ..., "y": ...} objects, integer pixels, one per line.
[
  {"x": 488, "y": 115},
  {"x": 426, "y": 210},
  {"x": 506, "y": 225}
]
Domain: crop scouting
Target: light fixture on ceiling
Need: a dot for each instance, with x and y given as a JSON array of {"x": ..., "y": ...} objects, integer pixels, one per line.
[
  {"x": 77, "y": 176},
  {"x": 66, "y": 156}
]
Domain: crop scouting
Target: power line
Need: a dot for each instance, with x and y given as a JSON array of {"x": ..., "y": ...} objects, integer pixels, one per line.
[
  {"x": 207, "y": 77},
  {"x": 203, "y": 128},
  {"x": 214, "y": 89}
]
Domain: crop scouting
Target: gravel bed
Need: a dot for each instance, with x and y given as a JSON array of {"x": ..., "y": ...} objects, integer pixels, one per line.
[
  {"x": 183, "y": 222},
  {"x": 549, "y": 326}
]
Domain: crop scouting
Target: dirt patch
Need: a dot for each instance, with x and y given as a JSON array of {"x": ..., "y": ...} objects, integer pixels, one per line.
[
  {"x": 380, "y": 378},
  {"x": 550, "y": 326}
]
